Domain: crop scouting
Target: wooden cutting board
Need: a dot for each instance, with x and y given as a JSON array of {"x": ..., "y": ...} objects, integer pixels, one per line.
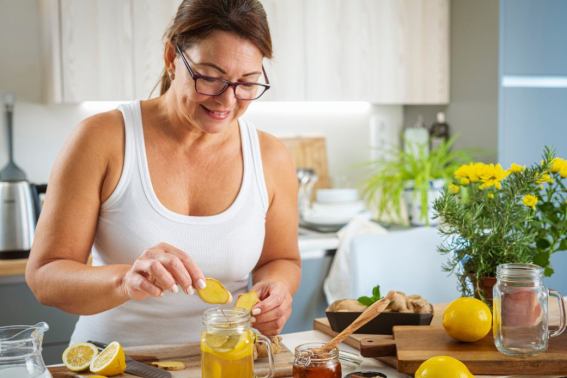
[
  {"x": 310, "y": 152},
  {"x": 190, "y": 355},
  {"x": 416, "y": 344}
]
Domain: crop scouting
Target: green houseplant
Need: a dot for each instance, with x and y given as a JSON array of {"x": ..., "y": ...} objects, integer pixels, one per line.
[
  {"x": 390, "y": 176},
  {"x": 491, "y": 216}
]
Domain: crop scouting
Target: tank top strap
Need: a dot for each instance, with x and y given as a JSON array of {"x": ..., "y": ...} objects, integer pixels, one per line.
[{"x": 256, "y": 160}]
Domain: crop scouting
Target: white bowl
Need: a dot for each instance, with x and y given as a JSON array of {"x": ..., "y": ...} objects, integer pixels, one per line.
[{"x": 336, "y": 195}]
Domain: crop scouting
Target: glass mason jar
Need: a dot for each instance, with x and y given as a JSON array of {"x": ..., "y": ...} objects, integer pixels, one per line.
[
  {"x": 20, "y": 351},
  {"x": 311, "y": 364},
  {"x": 520, "y": 310},
  {"x": 227, "y": 344}
]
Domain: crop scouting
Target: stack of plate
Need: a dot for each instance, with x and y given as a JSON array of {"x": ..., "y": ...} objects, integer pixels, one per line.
[{"x": 332, "y": 209}]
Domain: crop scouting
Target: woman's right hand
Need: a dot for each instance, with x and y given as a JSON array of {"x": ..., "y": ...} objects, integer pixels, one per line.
[{"x": 162, "y": 268}]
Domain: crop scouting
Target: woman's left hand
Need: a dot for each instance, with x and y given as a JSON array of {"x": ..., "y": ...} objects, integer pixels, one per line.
[{"x": 274, "y": 308}]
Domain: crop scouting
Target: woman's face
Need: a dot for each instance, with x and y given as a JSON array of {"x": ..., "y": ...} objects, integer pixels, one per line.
[{"x": 222, "y": 55}]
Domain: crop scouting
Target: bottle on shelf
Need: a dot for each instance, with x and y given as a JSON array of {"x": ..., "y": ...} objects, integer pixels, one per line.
[
  {"x": 439, "y": 131},
  {"x": 416, "y": 138}
]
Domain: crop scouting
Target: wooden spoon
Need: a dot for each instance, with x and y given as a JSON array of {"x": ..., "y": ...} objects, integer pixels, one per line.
[{"x": 366, "y": 316}]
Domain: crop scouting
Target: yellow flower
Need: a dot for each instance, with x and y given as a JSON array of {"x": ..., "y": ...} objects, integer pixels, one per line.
[
  {"x": 545, "y": 177},
  {"x": 563, "y": 172},
  {"x": 491, "y": 175},
  {"x": 557, "y": 164},
  {"x": 530, "y": 200},
  {"x": 454, "y": 189},
  {"x": 490, "y": 195},
  {"x": 516, "y": 168}
]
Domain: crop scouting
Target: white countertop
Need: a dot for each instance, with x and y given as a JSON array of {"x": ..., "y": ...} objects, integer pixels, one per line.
[{"x": 315, "y": 244}]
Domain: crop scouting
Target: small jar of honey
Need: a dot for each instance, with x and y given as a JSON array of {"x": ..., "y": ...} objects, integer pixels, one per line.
[{"x": 311, "y": 362}]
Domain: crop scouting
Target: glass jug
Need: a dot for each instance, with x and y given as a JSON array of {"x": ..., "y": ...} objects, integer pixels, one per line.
[
  {"x": 520, "y": 310},
  {"x": 227, "y": 345},
  {"x": 20, "y": 351}
]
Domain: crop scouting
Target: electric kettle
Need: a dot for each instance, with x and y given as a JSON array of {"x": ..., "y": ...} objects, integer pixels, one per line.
[{"x": 19, "y": 200}]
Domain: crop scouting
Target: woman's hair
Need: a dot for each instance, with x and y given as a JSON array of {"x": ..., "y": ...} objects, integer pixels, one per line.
[{"x": 197, "y": 19}]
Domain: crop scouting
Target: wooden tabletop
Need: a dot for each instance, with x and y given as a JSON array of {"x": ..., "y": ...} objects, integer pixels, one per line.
[{"x": 16, "y": 267}]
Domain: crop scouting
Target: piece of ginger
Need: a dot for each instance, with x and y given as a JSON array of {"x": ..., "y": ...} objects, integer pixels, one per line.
[
  {"x": 260, "y": 350},
  {"x": 214, "y": 292},
  {"x": 169, "y": 365},
  {"x": 247, "y": 300}
]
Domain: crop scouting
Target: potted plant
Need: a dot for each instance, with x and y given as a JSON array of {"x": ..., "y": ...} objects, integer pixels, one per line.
[
  {"x": 492, "y": 216},
  {"x": 414, "y": 177}
]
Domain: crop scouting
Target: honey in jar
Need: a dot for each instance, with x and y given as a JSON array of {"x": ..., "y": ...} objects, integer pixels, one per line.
[{"x": 311, "y": 363}]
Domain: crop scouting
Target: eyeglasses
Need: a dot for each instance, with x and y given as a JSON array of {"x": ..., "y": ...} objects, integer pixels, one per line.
[{"x": 213, "y": 86}]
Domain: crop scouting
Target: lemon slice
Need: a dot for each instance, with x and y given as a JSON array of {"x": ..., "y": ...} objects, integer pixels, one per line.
[
  {"x": 78, "y": 357},
  {"x": 214, "y": 292},
  {"x": 216, "y": 340},
  {"x": 111, "y": 361}
]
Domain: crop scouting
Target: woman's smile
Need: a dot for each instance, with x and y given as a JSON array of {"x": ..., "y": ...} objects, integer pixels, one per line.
[{"x": 216, "y": 114}]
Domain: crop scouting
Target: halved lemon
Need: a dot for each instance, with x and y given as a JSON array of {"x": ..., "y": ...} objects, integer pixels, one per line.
[
  {"x": 214, "y": 292},
  {"x": 78, "y": 357},
  {"x": 111, "y": 361}
]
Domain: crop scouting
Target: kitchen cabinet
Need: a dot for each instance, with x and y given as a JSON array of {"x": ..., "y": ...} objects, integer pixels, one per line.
[
  {"x": 380, "y": 51},
  {"x": 98, "y": 50}
]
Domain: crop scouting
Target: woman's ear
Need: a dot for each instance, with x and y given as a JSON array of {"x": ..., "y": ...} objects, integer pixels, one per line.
[{"x": 169, "y": 55}]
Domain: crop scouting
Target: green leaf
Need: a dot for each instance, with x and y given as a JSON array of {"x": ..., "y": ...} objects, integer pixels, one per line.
[
  {"x": 367, "y": 301},
  {"x": 548, "y": 272},
  {"x": 563, "y": 245},
  {"x": 542, "y": 259},
  {"x": 542, "y": 243},
  {"x": 376, "y": 292}
]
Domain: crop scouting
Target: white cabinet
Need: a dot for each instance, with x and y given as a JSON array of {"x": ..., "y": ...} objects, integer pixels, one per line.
[
  {"x": 381, "y": 51},
  {"x": 103, "y": 50}
]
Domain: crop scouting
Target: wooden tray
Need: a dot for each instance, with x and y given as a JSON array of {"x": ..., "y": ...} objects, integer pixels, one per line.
[
  {"x": 416, "y": 344},
  {"x": 190, "y": 354}
]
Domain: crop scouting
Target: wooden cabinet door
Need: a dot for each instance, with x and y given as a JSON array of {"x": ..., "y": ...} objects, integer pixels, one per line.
[
  {"x": 150, "y": 19},
  {"x": 96, "y": 50}
]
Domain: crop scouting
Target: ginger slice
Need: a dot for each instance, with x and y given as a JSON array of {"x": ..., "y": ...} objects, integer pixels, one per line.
[
  {"x": 169, "y": 365},
  {"x": 247, "y": 300},
  {"x": 214, "y": 292}
]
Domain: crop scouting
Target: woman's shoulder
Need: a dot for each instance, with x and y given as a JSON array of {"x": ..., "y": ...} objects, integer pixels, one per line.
[{"x": 274, "y": 152}]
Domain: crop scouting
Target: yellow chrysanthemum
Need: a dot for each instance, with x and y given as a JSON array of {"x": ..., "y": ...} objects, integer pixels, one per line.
[
  {"x": 530, "y": 200},
  {"x": 454, "y": 189},
  {"x": 491, "y": 175},
  {"x": 516, "y": 168},
  {"x": 544, "y": 178},
  {"x": 563, "y": 172},
  {"x": 558, "y": 164}
]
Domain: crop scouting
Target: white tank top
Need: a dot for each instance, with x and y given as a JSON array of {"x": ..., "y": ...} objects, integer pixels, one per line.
[{"x": 226, "y": 246}]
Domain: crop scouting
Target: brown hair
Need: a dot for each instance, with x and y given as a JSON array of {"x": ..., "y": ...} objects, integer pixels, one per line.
[{"x": 197, "y": 19}]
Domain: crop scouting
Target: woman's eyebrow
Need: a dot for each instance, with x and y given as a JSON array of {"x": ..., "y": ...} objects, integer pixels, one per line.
[{"x": 212, "y": 65}]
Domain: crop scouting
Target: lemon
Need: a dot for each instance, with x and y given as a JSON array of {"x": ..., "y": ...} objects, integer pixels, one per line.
[
  {"x": 111, "y": 361},
  {"x": 443, "y": 367},
  {"x": 228, "y": 347},
  {"x": 467, "y": 319},
  {"x": 78, "y": 357}
]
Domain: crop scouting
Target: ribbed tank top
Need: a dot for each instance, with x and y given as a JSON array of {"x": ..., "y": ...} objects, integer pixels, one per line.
[{"x": 226, "y": 246}]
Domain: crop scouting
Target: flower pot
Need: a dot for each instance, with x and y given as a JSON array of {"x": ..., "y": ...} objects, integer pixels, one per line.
[
  {"x": 483, "y": 289},
  {"x": 412, "y": 199}
]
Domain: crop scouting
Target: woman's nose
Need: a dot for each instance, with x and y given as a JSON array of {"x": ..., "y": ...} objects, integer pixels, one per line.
[{"x": 228, "y": 97}]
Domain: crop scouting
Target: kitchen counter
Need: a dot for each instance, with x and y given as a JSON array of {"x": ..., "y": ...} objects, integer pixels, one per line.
[
  {"x": 311, "y": 245},
  {"x": 15, "y": 267}
]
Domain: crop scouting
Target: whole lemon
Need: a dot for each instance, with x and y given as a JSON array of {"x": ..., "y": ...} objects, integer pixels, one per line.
[
  {"x": 443, "y": 367},
  {"x": 467, "y": 319}
]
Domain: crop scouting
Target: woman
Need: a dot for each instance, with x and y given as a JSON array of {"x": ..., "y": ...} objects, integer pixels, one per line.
[{"x": 167, "y": 191}]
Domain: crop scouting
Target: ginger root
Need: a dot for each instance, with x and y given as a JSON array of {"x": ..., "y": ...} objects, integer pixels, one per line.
[
  {"x": 260, "y": 350},
  {"x": 400, "y": 303},
  {"x": 346, "y": 305},
  {"x": 169, "y": 365}
]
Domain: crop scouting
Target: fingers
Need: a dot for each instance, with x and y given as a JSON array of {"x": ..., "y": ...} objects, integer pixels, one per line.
[
  {"x": 139, "y": 287},
  {"x": 196, "y": 275}
]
